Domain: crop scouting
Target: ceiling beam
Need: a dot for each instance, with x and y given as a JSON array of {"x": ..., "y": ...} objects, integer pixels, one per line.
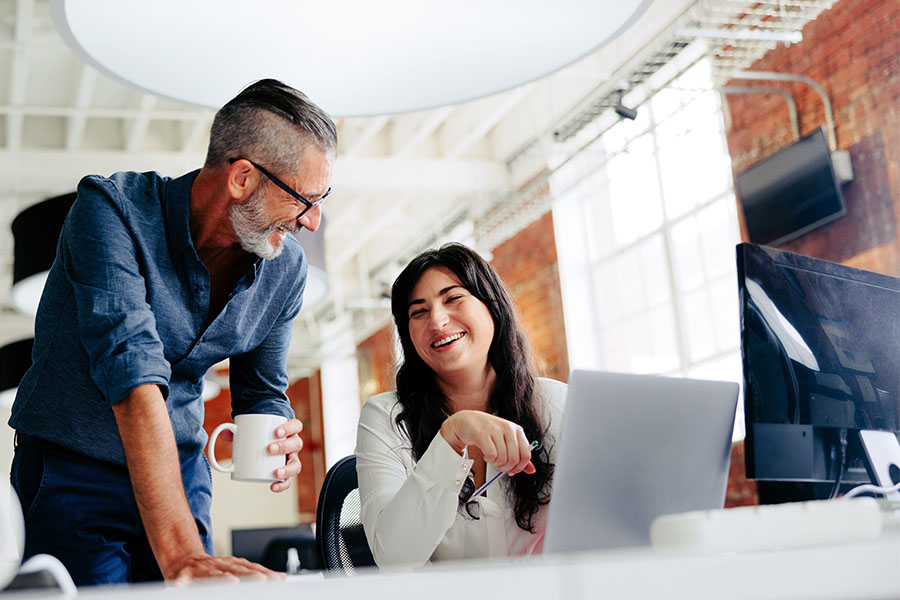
[
  {"x": 420, "y": 129},
  {"x": 15, "y": 120},
  {"x": 361, "y": 179},
  {"x": 408, "y": 139},
  {"x": 109, "y": 113},
  {"x": 193, "y": 133},
  {"x": 473, "y": 122},
  {"x": 366, "y": 235},
  {"x": 31, "y": 168},
  {"x": 75, "y": 124},
  {"x": 349, "y": 212},
  {"x": 390, "y": 174},
  {"x": 373, "y": 128},
  {"x": 38, "y": 171},
  {"x": 137, "y": 129}
]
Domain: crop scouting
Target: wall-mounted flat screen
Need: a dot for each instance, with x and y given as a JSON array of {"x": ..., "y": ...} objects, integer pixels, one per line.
[{"x": 790, "y": 192}]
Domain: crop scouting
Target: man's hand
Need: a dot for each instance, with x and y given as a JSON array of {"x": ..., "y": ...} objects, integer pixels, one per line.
[
  {"x": 153, "y": 466},
  {"x": 201, "y": 566},
  {"x": 287, "y": 442}
]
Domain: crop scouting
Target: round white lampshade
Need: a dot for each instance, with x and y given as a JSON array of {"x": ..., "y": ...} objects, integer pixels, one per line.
[
  {"x": 26, "y": 294},
  {"x": 354, "y": 58}
]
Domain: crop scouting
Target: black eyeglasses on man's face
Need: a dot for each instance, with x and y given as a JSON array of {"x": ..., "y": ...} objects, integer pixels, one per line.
[{"x": 309, "y": 204}]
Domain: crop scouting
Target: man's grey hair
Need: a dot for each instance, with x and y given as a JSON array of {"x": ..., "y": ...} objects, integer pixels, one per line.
[{"x": 270, "y": 123}]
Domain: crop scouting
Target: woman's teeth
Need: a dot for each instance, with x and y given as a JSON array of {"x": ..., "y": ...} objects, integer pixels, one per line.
[{"x": 444, "y": 341}]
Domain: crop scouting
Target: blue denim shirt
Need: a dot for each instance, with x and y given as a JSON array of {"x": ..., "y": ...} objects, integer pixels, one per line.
[{"x": 126, "y": 303}]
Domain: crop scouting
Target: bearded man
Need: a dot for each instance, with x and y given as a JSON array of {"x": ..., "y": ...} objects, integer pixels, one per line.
[{"x": 156, "y": 279}]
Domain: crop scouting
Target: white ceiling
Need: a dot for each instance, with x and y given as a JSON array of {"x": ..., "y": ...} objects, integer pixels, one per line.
[{"x": 400, "y": 182}]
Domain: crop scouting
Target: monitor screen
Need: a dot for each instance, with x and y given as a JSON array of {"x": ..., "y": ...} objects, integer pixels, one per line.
[
  {"x": 790, "y": 192},
  {"x": 820, "y": 345}
]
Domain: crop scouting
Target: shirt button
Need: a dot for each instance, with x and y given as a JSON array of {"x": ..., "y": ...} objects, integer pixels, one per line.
[
  {"x": 465, "y": 466},
  {"x": 456, "y": 482}
]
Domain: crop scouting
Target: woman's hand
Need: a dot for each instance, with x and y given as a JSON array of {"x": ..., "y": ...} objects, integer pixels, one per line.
[{"x": 502, "y": 443}]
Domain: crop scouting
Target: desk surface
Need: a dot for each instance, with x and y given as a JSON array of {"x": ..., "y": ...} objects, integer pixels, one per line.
[{"x": 858, "y": 570}]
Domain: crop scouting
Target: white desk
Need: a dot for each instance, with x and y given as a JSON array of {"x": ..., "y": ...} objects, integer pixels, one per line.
[{"x": 860, "y": 570}]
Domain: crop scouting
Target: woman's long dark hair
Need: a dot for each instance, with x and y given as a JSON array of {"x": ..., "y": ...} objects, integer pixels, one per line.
[{"x": 424, "y": 406}]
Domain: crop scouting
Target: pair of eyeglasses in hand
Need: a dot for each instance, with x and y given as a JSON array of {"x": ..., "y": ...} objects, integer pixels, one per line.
[{"x": 535, "y": 445}]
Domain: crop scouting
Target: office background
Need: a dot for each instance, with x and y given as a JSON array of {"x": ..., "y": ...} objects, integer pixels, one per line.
[{"x": 615, "y": 236}]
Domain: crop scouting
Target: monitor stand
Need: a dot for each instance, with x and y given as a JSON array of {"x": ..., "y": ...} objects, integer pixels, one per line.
[{"x": 883, "y": 452}]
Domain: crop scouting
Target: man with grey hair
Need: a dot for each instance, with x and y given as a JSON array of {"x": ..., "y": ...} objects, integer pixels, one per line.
[{"x": 156, "y": 279}]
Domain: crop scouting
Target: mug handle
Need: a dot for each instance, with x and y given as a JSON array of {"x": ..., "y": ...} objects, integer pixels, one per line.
[{"x": 212, "y": 445}]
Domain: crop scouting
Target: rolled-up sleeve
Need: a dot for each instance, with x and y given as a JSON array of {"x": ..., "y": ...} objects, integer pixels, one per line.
[
  {"x": 116, "y": 325},
  {"x": 405, "y": 514},
  {"x": 259, "y": 378}
]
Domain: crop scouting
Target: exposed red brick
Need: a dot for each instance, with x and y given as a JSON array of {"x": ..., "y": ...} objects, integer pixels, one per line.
[
  {"x": 377, "y": 361},
  {"x": 853, "y": 51},
  {"x": 527, "y": 263},
  {"x": 306, "y": 400},
  {"x": 741, "y": 491}
]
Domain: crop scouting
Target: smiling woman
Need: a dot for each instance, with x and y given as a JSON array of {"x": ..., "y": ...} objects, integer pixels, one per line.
[
  {"x": 450, "y": 328},
  {"x": 467, "y": 407}
]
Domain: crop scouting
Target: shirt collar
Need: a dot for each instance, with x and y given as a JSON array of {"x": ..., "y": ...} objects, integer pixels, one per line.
[{"x": 178, "y": 199}]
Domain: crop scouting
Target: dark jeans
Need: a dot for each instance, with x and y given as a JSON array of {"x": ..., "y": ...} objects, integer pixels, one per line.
[{"x": 83, "y": 512}]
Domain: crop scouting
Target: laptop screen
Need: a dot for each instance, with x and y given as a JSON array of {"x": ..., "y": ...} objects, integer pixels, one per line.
[{"x": 632, "y": 448}]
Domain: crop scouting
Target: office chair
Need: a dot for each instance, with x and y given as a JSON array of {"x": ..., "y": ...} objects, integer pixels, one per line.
[{"x": 339, "y": 531}]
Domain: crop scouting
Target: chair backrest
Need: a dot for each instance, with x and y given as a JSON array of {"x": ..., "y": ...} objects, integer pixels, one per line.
[{"x": 339, "y": 531}]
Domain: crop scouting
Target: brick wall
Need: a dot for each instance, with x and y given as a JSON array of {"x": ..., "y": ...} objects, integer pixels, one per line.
[
  {"x": 853, "y": 51},
  {"x": 306, "y": 400},
  {"x": 740, "y": 491},
  {"x": 377, "y": 363},
  {"x": 527, "y": 263}
]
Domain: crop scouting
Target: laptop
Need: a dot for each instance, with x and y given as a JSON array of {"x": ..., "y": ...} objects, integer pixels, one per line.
[{"x": 632, "y": 448}]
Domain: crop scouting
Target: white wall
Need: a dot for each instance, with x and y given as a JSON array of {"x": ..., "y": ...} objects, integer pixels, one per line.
[
  {"x": 340, "y": 407},
  {"x": 6, "y": 443},
  {"x": 243, "y": 505}
]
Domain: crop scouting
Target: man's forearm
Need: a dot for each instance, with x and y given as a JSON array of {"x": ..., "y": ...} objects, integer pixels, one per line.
[{"x": 155, "y": 472}]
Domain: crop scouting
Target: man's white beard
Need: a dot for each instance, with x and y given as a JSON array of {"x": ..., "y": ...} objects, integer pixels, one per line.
[{"x": 252, "y": 228}]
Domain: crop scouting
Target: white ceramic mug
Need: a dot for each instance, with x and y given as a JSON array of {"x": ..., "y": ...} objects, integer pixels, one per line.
[{"x": 250, "y": 458}]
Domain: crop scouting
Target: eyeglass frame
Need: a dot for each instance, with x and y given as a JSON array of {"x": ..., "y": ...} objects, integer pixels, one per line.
[{"x": 309, "y": 204}]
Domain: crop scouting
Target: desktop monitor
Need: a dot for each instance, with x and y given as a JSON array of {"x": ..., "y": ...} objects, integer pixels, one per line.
[
  {"x": 269, "y": 546},
  {"x": 820, "y": 344},
  {"x": 790, "y": 192}
]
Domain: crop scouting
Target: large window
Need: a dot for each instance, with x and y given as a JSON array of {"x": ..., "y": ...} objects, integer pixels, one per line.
[{"x": 646, "y": 228}]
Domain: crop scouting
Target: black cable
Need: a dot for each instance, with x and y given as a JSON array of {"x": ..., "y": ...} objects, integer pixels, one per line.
[{"x": 840, "y": 473}]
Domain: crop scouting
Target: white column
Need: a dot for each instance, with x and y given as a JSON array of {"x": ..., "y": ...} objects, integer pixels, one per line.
[{"x": 340, "y": 405}]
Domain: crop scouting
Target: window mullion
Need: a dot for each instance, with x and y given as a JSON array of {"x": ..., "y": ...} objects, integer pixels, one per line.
[{"x": 667, "y": 247}]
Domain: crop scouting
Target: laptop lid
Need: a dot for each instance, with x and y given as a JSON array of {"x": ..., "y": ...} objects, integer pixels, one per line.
[{"x": 632, "y": 448}]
